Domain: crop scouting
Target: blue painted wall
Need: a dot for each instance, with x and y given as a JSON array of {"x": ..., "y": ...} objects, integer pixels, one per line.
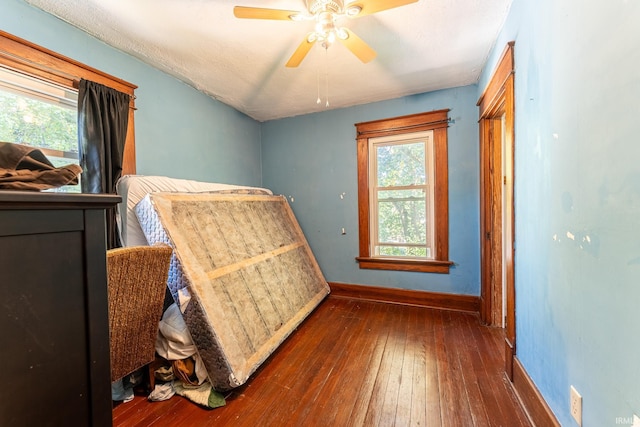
[
  {"x": 180, "y": 132},
  {"x": 312, "y": 160},
  {"x": 577, "y": 181},
  {"x": 577, "y": 196}
]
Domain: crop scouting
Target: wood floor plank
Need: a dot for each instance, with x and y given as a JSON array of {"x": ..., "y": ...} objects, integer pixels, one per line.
[
  {"x": 490, "y": 375},
  {"x": 432, "y": 380},
  {"x": 319, "y": 361},
  {"x": 381, "y": 404},
  {"x": 455, "y": 408},
  {"x": 360, "y": 376},
  {"x": 499, "y": 397},
  {"x": 473, "y": 371},
  {"x": 148, "y": 414},
  {"x": 396, "y": 405},
  {"x": 418, "y": 398},
  {"x": 279, "y": 399},
  {"x": 340, "y": 389},
  {"x": 411, "y": 352},
  {"x": 361, "y": 363},
  {"x": 366, "y": 393}
]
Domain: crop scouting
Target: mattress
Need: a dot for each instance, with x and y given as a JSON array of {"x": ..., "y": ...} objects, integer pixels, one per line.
[{"x": 242, "y": 273}]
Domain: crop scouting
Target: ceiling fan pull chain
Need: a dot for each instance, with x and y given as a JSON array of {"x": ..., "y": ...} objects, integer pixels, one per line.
[
  {"x": 318, "y": 84},
  {"x": 326, "y": 75}
]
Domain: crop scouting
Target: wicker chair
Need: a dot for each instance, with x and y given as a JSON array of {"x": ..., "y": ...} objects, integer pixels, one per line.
[{"x": 137, "y": 278}]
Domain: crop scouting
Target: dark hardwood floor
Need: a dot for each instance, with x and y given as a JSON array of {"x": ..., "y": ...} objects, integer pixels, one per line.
[{"x": 359, "y": 363}]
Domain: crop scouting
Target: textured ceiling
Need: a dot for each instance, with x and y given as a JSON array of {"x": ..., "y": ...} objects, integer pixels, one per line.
[{"x": 424, "y": 46}]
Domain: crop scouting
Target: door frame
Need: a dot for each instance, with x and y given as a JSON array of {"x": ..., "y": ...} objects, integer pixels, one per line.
[{"x": 498, "y": 101}]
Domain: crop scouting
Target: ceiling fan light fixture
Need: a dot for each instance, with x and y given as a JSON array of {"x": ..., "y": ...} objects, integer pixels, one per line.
[
  {"x": 353, "y": 11},
  {"x": 325, "y": 28},
  {"x": 342, "y": 33},
  {"x": 325, "y": 21}
]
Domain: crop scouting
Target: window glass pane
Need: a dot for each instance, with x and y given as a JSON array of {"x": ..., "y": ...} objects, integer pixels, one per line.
[
  {"x": 401, "y": 164},
  {"x": 402, "y": 217},
  {"x": 37, "y": 123},
  {"x": 404, "y": 251}
]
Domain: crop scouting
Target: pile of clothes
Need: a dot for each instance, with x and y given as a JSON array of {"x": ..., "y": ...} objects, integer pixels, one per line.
[
  {"x": 177, "y": 369},
  {"x": 27, "y": 168}
]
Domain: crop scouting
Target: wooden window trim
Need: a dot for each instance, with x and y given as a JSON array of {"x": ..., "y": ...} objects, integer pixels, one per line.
[
  {"x": 25, "y": 57},
  {"x": 438, "y": 122}
]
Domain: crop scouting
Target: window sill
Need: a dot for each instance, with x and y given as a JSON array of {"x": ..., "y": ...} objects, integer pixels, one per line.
[{"x": 431, "y": 266}]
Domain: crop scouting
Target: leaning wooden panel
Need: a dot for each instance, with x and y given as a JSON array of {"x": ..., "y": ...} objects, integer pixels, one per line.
[{"x": 247, "y": 268}]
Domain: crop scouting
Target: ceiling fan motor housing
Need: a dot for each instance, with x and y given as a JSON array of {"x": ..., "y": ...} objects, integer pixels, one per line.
[{"x": 318, "y": 6}]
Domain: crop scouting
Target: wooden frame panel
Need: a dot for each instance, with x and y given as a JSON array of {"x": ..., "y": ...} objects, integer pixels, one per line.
[
  {"x": 251, "y": 276},
  {"x": 438, "y": 122},
  {"x": 25, "y": 57}
]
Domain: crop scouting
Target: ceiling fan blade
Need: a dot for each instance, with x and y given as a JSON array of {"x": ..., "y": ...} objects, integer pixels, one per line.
[
  {"x": 358, "y": 47},
  {"x": 300, "y": 53},
  {"x": 261, "y": 13},
  {"x": 373, "y": 6}
]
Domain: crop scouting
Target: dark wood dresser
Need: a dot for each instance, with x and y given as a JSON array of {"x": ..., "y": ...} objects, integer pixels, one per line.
[{"x": 54, "y": 322}]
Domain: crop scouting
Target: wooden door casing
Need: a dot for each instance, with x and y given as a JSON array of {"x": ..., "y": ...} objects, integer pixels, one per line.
[{"x": 496, "y": 104}]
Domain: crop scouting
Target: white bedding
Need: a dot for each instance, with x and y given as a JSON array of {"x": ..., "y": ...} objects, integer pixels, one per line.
[{"x": 133, "y": 188}]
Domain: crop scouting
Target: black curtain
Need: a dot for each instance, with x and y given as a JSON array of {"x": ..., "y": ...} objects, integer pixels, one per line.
[{"x": 103, "y": 117}]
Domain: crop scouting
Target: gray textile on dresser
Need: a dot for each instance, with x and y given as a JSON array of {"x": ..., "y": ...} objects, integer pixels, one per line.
[
  {"x": 27, "y": 168},
  {"x": 248, "y": 269}
]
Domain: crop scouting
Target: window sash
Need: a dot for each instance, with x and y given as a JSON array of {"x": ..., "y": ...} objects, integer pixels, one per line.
[
  {"x": 56, "y": 106},
  {"x": 426, "y": 139},
  {"x": 40, "y": 90}
]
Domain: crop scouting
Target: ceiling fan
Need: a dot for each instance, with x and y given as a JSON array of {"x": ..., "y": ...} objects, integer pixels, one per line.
[{"x": 326, "y": 14}]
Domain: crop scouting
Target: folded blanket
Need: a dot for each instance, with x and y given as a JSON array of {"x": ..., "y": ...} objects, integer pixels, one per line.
[
  {"x": 27, "y": 168},
  {"x": 203, "y": 394}
]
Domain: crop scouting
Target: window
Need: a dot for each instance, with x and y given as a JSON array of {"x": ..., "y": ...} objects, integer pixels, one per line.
[
  {"x": 401, "y": 184},
  {"x": 38, "y": 87},
  {"x": 40, "y": 114},
  {"x": 403, "y": 193}
]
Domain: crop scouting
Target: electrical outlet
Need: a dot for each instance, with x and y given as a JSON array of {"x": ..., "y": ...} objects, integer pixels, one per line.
[{"x": 576, "y": 405}]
